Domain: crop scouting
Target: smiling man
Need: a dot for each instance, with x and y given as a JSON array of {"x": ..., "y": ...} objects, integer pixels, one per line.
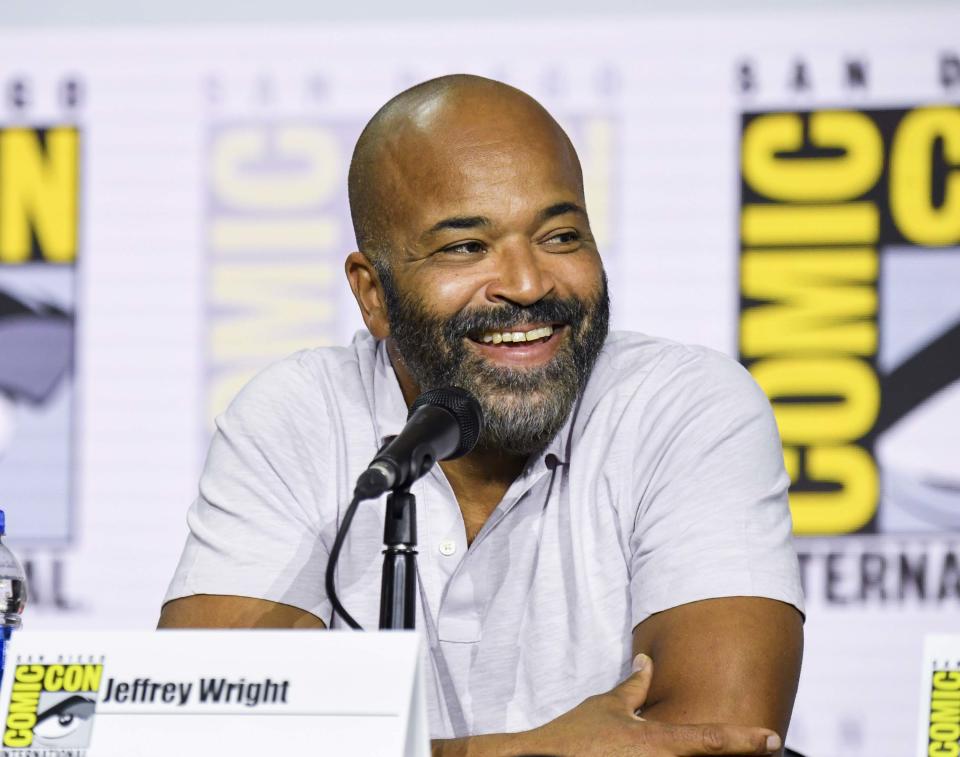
[{"x": 626, "y": 501}]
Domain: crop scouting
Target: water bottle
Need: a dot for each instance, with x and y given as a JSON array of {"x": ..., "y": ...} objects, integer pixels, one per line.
[{"x": 13, "y": 593}]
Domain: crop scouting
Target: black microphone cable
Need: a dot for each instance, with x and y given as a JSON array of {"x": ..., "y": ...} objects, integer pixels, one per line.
[
  {"x": 458, "y": 426},
  {"x": 338, "y": 608}
]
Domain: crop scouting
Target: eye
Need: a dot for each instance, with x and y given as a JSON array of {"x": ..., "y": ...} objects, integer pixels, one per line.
[
  {"x": 64, "y": 718},
  {"x": 58, "y": 726},
  {"x": 465, "y": 248},
  {"x": 565, "y": 240}
]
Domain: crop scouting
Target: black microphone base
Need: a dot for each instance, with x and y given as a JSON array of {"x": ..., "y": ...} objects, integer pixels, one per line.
[
  {"x": 398, "y": 609},
  {"x": 398, "y": 588}
]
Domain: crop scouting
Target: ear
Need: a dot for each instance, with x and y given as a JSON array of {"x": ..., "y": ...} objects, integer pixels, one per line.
[{"x": 368, "y": 293}]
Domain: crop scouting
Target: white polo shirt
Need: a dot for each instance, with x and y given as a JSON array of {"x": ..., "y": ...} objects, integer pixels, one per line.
[{"x": 666, "y": 486}]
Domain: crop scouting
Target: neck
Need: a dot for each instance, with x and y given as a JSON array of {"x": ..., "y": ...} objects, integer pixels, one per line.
[
  {"x": 479, "y": 481},
  {"x": 488, "y": 467}
]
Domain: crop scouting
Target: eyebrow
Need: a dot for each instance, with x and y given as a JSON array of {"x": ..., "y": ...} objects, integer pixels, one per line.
[
  {"x": 473, "y": 222},
  {"x": 458, "y": 222},
  {"x": 559, "y": 209}
]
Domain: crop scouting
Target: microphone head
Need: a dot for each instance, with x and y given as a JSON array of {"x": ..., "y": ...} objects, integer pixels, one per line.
[{"x": 463, "y": 406}]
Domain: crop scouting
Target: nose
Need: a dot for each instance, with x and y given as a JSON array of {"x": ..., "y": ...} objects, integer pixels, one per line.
[{"x": 522, "y": 276}]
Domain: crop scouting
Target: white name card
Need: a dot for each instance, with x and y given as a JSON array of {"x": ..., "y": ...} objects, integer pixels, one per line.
[
  {"x": 106, "y": 694},
  {"x": 939, "y": 733}
]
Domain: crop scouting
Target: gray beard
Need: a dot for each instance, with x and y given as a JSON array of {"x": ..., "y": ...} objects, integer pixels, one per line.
[{"x": 523, "y": 408}]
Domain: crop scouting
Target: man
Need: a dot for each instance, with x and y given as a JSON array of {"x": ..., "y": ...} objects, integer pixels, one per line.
[{"x": 627, "y": 496}]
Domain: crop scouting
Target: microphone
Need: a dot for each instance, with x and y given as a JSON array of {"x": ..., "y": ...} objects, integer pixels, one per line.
[{"x": 443, "y": 424}]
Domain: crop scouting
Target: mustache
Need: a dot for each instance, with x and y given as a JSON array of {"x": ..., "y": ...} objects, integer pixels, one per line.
[{"x": 500, "y": 318}]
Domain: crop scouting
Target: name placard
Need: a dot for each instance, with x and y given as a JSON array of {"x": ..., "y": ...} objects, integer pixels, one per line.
[{"x": 199, "y": 693}]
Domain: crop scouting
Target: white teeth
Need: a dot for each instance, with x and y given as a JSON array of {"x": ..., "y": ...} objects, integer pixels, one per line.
[
  {"x": 539, "y": 333},
  {"x": 517, "y": 336}
]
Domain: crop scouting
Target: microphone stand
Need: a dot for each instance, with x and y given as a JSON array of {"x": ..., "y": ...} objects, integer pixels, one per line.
[{"x": 398, "y": 607}]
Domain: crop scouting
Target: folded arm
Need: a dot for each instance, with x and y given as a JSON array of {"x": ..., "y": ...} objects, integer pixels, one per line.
[
  {"x": 228, "y": 611},
  {"x": 726, "y": 673},
  {"x": 731, "y": 660}
]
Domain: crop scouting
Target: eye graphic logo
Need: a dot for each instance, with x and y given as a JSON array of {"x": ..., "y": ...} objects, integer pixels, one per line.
[
  {"x": 849, "y": 319},
  {"x": 52, "y": 706},
  {"x": 39, "y": 233}
]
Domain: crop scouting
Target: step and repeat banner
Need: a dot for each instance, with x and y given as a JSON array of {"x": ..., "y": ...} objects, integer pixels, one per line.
[{"x": 785, "y": 188}]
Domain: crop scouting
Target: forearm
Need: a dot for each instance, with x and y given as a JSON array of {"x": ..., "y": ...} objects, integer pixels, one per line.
[
  {"x": 489, "y": 745},
  {"x": 606, "y": 724},
  {"x": 732, "y": 660}
]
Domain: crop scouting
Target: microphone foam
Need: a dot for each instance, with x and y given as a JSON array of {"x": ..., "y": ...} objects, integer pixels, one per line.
[{"x": 463, "y": 406}]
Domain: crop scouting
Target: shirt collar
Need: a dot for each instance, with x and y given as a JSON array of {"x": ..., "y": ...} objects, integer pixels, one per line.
[
  {"x": 390, "y": 413},
  {"x": 559, "y": 446}
]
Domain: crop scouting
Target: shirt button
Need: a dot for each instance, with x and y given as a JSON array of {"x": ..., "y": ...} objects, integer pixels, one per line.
[{"x": 448, "y": 547}]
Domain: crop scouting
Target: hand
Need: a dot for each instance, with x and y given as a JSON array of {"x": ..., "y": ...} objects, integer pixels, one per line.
[{"x": 606, "y": 725}]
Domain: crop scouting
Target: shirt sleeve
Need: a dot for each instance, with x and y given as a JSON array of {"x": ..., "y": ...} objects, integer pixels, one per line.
[
  {"x": 713, "y": 518},
  {"x": 253, "y": 529}
]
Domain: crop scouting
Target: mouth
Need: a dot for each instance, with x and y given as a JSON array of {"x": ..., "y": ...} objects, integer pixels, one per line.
[
  {"x": 518, "y": 335},
  {"x": 527, "y": 345}
]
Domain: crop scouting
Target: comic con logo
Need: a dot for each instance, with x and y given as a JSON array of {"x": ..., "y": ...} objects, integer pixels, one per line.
[
  {"x": 52, "y": 706},
  {"x": 39, "y": 199},
  {"x": 943, "y": 722},
  {"x": 849, "y": 313}
]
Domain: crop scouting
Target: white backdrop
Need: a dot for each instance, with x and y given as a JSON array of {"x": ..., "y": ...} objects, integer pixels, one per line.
[{"x": 212, "y": 226}]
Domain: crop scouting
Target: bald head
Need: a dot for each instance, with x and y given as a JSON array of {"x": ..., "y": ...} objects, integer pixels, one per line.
[{"x": 434, "y": 128}]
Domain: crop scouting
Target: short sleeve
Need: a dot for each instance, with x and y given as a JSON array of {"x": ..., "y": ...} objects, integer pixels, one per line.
[
  {"x": 713, "y": 518},
  {"x": 253, "y": 529}
]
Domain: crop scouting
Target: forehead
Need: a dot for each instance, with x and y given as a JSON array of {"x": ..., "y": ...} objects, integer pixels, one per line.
[{"x": 487, "y": 158}]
